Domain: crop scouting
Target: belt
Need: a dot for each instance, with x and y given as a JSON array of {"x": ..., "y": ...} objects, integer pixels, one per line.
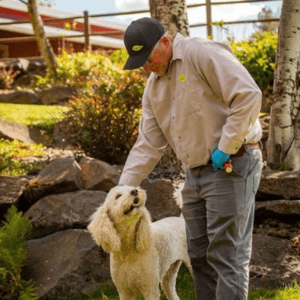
[{"x": 242, "y": 150}]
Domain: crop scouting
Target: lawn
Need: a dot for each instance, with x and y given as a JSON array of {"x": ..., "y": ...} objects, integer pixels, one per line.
[
  {"x": 32, "y": 115},
  {"x": 41, "y": 116}
]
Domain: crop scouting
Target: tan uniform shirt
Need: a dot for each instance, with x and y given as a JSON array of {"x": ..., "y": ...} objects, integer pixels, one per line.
[{"x": 206, "y": 99}]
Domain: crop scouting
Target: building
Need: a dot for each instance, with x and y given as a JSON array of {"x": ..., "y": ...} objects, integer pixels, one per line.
[{"x": 17, "y": 40}]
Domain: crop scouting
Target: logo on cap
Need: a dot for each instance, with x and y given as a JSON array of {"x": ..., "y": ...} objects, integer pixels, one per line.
[{"x": 137, "y": 47}]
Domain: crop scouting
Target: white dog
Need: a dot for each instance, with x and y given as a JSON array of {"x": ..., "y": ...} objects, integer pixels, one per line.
[{"x": 142, "y": 254}]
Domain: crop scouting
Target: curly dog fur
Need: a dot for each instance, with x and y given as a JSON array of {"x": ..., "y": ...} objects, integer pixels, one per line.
[{"x": 142, "y": 254}]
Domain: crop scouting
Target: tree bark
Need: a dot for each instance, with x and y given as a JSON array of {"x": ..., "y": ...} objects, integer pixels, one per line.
[
  {"x": 43, "y": 42},
  {"x": 283, "y": 146},
  {"x": 172, "y": 14}
]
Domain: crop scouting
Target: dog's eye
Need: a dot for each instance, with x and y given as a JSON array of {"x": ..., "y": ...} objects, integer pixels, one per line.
[{"x": 118, "y": 196}]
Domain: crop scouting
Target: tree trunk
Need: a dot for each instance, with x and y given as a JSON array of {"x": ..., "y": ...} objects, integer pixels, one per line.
[
  {"x": 283, "y": 146},
  {"x": 43, "y": 42},
  {"x": 172, "y": 14}
]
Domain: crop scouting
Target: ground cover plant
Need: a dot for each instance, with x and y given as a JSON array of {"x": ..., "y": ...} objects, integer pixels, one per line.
[
  {"x": 11, "y": 153},
  {"x": 13, "y": 256}
]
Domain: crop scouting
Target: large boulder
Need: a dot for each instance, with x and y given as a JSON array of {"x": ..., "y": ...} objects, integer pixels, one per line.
[
  {"x": 285, "y": 210},
  {"x": 57, "y": 95},
  {"x": 17, "y": 131},
  {"x": 279, "y": 185},
  {"x": 59, "y": 212},
  {"x": 160, "y": 200},
  {"x": 62, "y": 175},
  {"x": 66, "y": 263},
  {"x": 19, "y": 97},
  {"x": 274, "y": 262},
  {"x": 98, "y": 175},
  {"x": 11, "y": 188}
]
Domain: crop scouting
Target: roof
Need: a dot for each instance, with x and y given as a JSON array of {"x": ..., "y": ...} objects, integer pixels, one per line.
[{"x": 16, "y": 10}]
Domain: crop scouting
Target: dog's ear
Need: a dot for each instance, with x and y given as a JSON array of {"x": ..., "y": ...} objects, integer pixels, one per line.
[
  {"x": 143, "y": 233},
  {"x": 103, "y": 231}
]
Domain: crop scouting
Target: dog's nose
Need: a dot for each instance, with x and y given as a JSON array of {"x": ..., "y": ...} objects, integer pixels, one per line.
[{"x": 134, "y": 192}]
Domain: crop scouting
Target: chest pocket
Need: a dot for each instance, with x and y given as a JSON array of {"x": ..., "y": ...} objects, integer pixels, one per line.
[{"x": 188, "y": 94}]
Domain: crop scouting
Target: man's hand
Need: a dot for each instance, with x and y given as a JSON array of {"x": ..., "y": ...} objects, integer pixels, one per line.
[{"x": 218, "y": 159}]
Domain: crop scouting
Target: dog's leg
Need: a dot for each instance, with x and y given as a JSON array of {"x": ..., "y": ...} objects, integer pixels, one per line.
[
  {"x": 169, "y": 281},
  {"x": 124, "y": 295}
]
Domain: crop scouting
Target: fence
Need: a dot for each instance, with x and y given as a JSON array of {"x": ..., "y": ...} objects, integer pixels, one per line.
[{"x": 208, "y": 4}]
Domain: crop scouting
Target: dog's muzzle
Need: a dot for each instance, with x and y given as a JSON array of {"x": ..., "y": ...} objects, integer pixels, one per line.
[{"x": 135, "y": 203}]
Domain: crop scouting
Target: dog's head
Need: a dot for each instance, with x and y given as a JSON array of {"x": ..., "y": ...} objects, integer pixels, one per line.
[
  {"x": 125, "y": 201},
  {"x": 124, "y": 207}
]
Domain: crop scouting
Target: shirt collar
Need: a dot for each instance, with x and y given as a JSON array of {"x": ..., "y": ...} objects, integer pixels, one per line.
[{"x": 177, "y": 47}]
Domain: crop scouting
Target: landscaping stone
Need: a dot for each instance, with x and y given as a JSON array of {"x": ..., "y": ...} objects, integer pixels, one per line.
[
  {"x": 11, "y": 188},
  {"x": 57, "y": 95},
  {"x": 66, "y": 263},
  {"x": 61, "y": 176},
  {"x": 160, "y": 200},
  {"x": 19, "y": 97},
  {"x": 279, "y": 185},
  {"x": 16, "y": 131},
  {"x": 59, "y": 212},
  {"x": 98, "y": 175},
  {"x": 274, "y": 262}
]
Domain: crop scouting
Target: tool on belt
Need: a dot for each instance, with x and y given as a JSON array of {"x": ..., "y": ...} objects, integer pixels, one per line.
[{"x": 228, "y": 166}]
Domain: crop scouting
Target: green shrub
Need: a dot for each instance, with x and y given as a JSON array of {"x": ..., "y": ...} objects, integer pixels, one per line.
[
  {"x": 258, "y": 56},
  {"x": 76, "y": 69},
  {"x": 104, "y": 121},
  {"x": 12, "y": 258}
]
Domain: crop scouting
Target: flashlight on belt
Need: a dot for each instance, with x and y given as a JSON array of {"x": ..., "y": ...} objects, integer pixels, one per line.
[{"x": 228, "y": 166}]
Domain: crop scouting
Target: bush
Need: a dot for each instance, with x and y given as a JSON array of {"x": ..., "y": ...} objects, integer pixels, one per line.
[
  {"x": 104, "y": 121},
  {"x": 258, "y": 56},
  {"x": 12, "y": 258},
  {"x": 76, "y": 70}
]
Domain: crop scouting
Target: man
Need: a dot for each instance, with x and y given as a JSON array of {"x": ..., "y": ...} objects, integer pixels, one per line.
[{"x": 203, "y": 102}]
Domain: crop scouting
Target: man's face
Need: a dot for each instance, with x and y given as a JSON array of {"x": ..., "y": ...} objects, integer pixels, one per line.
[{"x": 159, "y": 59}]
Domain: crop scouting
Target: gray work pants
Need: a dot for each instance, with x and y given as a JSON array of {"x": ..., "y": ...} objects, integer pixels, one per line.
[{"x": 218, "y": 208}]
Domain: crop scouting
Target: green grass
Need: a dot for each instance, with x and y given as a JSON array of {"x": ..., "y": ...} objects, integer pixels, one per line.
[
  {"x": 185, "y": 290},
  {"x": 42, "y": 116}
]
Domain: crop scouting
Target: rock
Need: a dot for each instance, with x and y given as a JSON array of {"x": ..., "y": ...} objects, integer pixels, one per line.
[
  {"x": 66, "y": 262},
  {"x": 10, "y": 190},
  {"x": 285, "y": 210},
  {"x": 274, "y": 263},
  {"x": 16, "y": 131},
  {"x": 160, "y": 201},
  {"x": 25, "y": 80},
  {"x": 61, "y": 176},
  {"x": 98, "y": 175},
  {"x": 279, "y": 185},
  {"x": 57, "y": 95},
  {"x": 59, "y": 212},
  {"x": 20, "y": 64},
  {"x": 19, "y": 97},
  {"x": 37, "y": 66}
]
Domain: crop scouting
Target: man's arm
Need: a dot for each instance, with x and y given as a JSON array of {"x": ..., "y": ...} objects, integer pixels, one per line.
[{"x": 147, "y": 150}]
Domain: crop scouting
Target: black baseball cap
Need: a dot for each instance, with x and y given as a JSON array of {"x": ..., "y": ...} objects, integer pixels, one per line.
[{"x": 140, "y": 37}]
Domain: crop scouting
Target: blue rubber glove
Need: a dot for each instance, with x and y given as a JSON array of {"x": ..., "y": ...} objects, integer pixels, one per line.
[{"x": 218, "y": 159}]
